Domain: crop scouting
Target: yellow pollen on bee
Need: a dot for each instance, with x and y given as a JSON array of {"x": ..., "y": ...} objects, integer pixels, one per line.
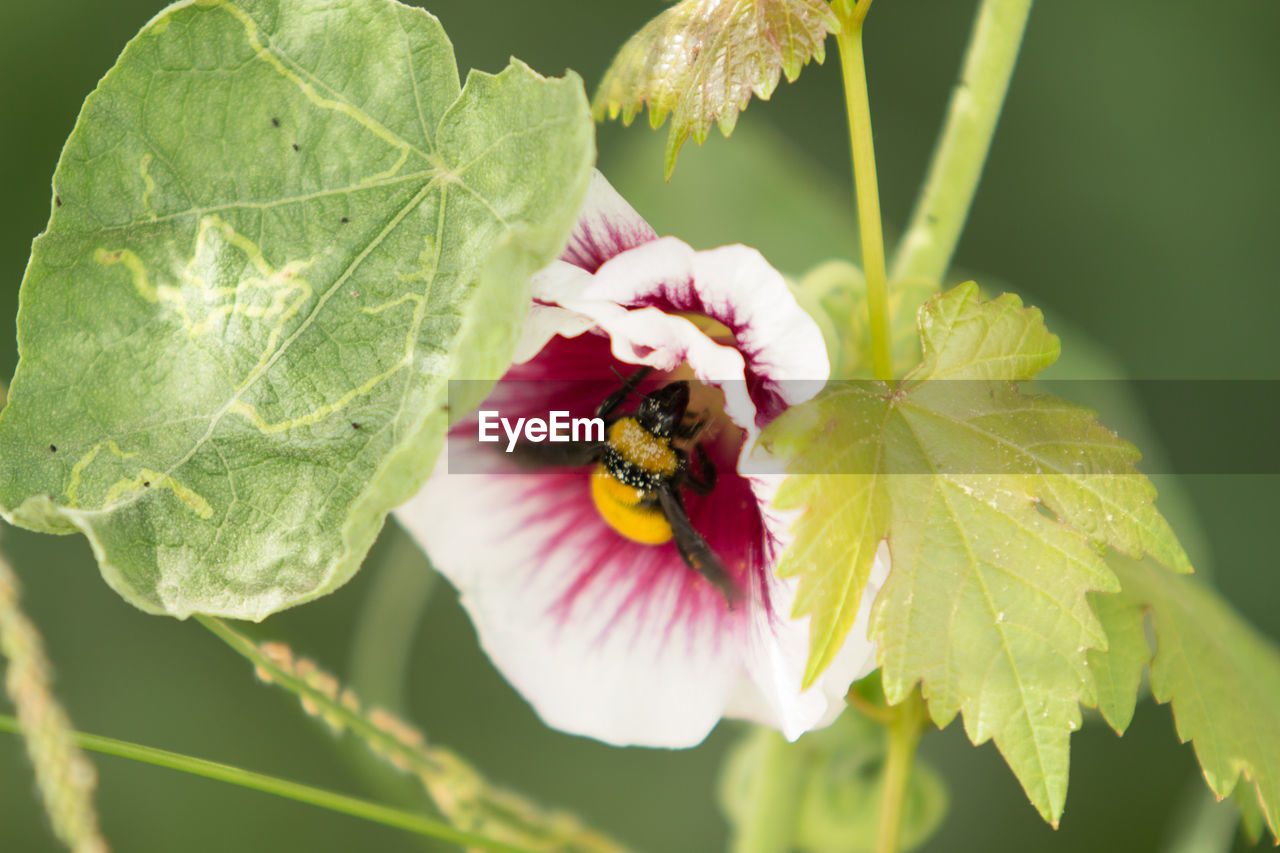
[
  {"x": 623, "y": 508},
  {"x": 642, "y": 448}
]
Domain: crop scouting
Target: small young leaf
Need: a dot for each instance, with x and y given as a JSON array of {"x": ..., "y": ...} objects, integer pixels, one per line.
[
  {"x": 702, "y": 60},
  {"x": 995, "y": 506},
  {"x": 963, "y": 337},
  {"x": 1221, "y": 677},
  {"x": 282, "y": 228}
]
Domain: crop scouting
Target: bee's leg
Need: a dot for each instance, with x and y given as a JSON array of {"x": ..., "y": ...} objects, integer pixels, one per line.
[
  {"x": 697, "y": 554},
  {"x": 689, "y": 430},
  {"x": 706, "y": 479},
  {"x": 615, "y": 399}
]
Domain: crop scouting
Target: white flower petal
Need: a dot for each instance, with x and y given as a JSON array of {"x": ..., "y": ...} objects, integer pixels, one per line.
[
  {"x": 649, "y": 335},
  {"x": 606, "y": 226},
  {"x": 782, "y": 343},
  {"x": 624, "y": 673},
  {"x": 736, "y": 286},
  {"x": 776, "y": 655},
  {"x": 544, "y": 323}
]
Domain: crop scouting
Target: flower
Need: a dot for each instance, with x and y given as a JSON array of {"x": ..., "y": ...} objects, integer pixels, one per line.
[{"x": 608, "y": 637}]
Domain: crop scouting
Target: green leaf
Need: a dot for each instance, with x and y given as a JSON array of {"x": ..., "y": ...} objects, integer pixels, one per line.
[
  {"x": 995, "y": 506},
  {"x": 702, "y": 60},
  {"x": 1252, "y": 821},
  {"x": 280, "y": 229},
  {"x": 1117, "y": 669},
  {"x": 1220, "y": 675},
  {"x": 963, "y": 337}
]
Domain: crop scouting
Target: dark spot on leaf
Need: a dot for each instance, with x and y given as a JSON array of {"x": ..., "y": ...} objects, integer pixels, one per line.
[
  {"x": 146, "y": 483},
  {"x": 275, "y": 122},
  {"x": 355, "y": 425},
  {"x": 295, "y": 147},
  {"x": 53, "y": 449},
  {"x": 57, "y": 200},
  {"x": 345, "y": 220}
]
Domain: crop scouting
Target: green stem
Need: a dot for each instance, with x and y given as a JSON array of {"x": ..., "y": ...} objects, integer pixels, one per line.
[
  {"x": 961, "y": 152},
  {"x": 858, "y": 105},
  {"x": 904, "y": 737},
  {"x": 347, "y": 717},
  {"x": 282, "y": 788},
  {"x": 770, "y": 825},
  {"x": 457, "y": 790}
]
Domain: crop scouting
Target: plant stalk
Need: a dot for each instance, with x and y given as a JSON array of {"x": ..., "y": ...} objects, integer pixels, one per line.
[
  {"x": 904, "y": 737},
  {"x": 330, "y": 800},
  {"x": 961, "y": 152},
  {"x": 866, "y": 191}
]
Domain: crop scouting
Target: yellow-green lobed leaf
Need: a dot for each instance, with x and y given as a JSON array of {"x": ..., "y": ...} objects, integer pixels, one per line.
[
  {"x": 702, "y": 60},
  {"x": 1117, "y": 669},
  {"x": 996, "y": 506},
  {"x": 1220, "y": 676},
  {"x": 279, "y": 228}
]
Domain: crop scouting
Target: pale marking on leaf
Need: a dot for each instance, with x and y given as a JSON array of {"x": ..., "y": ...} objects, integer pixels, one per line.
[
  {"x": 235, "y": 405},
  {"x": 190, "y": 499},
  {"x": 264, "y": 51},
  {"x": 386, "y": 306},
  {"x": 427, "y": 259},
  {"x": 250, "y": 412},
  {"x": 439, "y": 179},
  {"x": 145, "y": 480},
  {"x": 149, "y": 184},
  {"x": 77, "y": 470},
  {"x": 287, "y": 292}
]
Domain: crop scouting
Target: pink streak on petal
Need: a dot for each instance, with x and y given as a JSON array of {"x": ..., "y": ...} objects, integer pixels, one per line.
[
  {"x": 607, "y": 226},
  {"x": 567, "y": 375},
  {"x": 683, "y": 296}
]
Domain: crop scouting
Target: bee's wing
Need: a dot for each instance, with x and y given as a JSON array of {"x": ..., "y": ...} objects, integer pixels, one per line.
[
  {"x": 568, "y": 454},
  {"x": 695, "y": 550}
]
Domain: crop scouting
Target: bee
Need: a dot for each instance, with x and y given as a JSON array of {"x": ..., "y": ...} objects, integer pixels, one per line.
[{"x": 639, "y": 473}]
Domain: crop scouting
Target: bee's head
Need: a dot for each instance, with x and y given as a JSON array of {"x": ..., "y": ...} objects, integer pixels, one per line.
[{"x": 662, "y": 410}]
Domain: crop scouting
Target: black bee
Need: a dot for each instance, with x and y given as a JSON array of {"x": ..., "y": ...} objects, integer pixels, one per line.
[{"x": 639, "y": 473}]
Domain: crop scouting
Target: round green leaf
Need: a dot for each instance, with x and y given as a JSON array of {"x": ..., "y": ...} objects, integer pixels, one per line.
[{"x": 278, "y": 229}]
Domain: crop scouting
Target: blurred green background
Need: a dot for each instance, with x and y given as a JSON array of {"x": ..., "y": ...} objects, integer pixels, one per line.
[{"x": 1132, "y": 193}]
